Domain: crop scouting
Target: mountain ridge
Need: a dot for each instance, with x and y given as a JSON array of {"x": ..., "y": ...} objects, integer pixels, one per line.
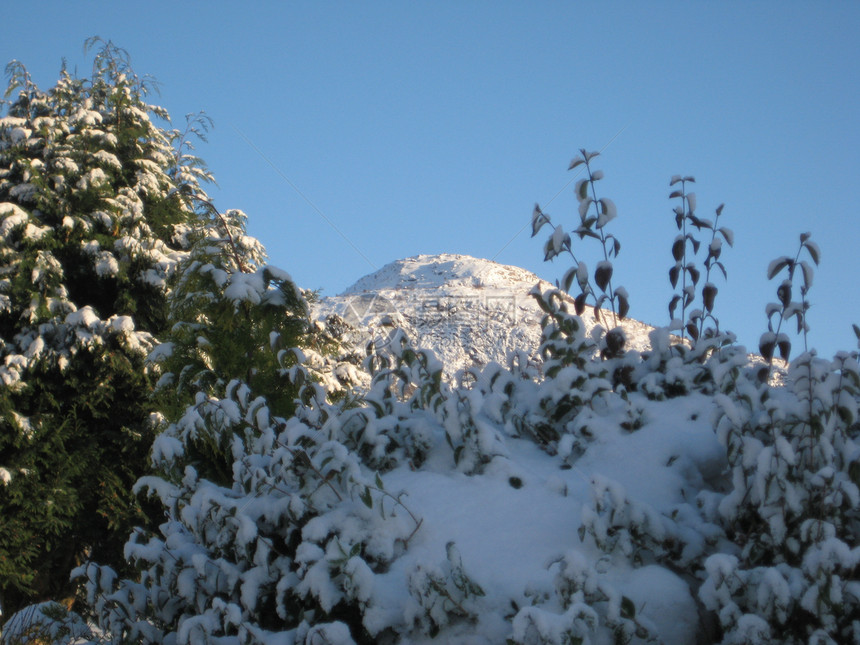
[{"x": 469, "y": 311}]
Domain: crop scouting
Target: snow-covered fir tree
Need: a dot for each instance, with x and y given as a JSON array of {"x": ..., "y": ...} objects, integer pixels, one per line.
[{"x": 96, "y": 203}]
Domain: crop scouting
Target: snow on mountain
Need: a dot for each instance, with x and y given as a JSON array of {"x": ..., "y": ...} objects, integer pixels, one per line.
[{"x": 469, "y": 311}]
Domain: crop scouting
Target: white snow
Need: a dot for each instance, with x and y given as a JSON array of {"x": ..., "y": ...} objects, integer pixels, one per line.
[
  {"x": 106, "y": 264},
  {"x": 85, "y": 317},
  {"x": 17, "y": 135},
  {"x": 529, "y": 527},
  {"x": 469, "y": 311},
  {"x": 12, "y": 216},
  {"x": 94, "y": 178},
  {"x": 246, "y": 287},
  {"x": 38, "y": 623},
  {"x": 106, "y": 158}
]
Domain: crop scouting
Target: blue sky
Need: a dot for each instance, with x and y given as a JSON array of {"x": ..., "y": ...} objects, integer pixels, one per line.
[{"x": 435, "y": 127}]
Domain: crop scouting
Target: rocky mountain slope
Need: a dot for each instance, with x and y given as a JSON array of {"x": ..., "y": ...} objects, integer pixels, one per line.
[{"x": 469, "y": 311}]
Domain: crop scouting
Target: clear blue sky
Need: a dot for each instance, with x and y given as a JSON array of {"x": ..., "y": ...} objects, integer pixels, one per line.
[{"x": 435, "y": 127}]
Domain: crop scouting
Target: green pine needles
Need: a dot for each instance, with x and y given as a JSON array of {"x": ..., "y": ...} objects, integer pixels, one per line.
[{"x": 92, "y": 225}]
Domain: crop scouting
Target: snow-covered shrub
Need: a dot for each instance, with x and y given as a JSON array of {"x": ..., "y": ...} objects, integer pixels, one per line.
[
  {"x": 787, "y": 307},
  {"x": 617, "y": 524},
  {"x": 294, "y": 534},
  {"x": 408, "y": 403},
  {"x": 582, "y": 390},
  {"x": 536, "y": 626},
  {"x": 45, "y": 622},
  {"x": 442, "y": 594},
  {"x": 474, "y": 439},
  {"x": 704, "y": 339},
  {"x": 563, "y": 340},
  {"x": 794, "y": 507},
  {"x": 582, "y": 606},
  {"x": 592, "y": 224},
  {"x": 788, "y": 570},
  {"x": 401, "y": 408}
]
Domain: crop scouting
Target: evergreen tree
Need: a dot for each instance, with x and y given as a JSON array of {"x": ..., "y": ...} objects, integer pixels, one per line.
[
  {"x": 97, "y": 205},
  {"x": 232, "y": 318},
  {"x": 243, "y": 464}
]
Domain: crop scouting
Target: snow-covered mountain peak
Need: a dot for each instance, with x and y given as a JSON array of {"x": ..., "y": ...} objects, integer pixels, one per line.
[
  {"x": 444, "y": 272},
  {"x": 469, "y": 311}
]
